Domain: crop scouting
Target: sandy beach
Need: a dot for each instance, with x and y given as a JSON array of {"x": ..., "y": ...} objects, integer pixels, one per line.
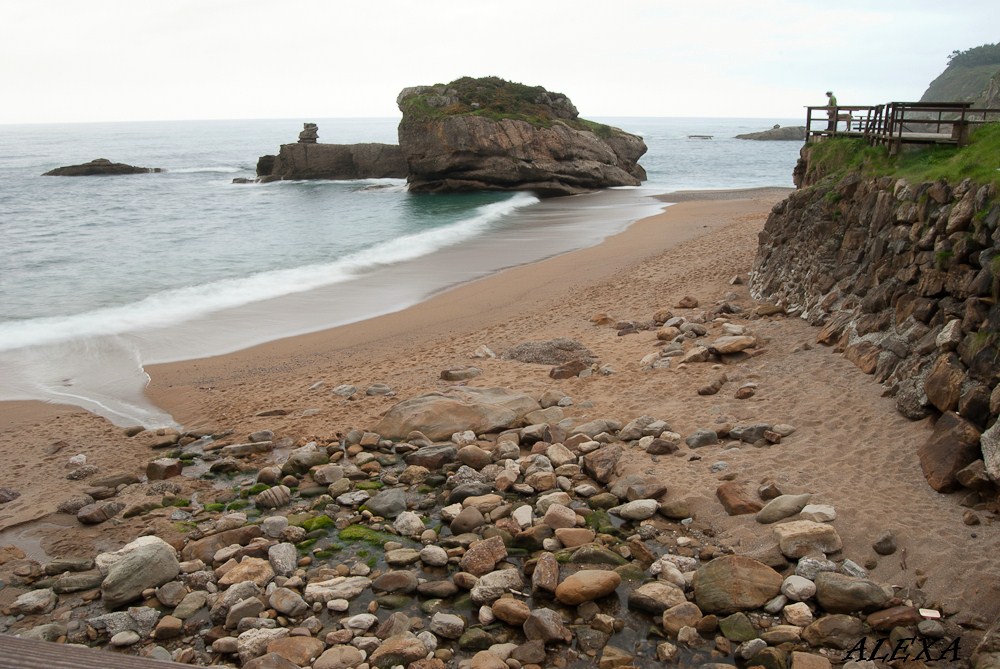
[{"x": 850, "y": 448}]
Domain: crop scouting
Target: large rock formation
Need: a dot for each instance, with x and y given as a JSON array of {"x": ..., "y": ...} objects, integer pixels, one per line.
[
  {"x": 903, "y": 278},
  {"x": 99, "y": 167},
  {"x": 490, "y": 134},
  {"x": 304, "y": 160},
  {"x": 308, "y": 159}
]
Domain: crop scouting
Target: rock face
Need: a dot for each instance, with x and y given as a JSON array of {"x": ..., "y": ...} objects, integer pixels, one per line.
[
  {"x": 310, "y": 160},
  {"x": 794, "y": 133},
  {"x": 902, "y": 278},
  {"x": 490, "y": 134},
  {"x": 100, "y": 167}
]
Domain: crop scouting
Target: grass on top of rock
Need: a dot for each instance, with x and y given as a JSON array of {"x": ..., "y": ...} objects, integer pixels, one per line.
[
  {"x": 498, "y": 99},
  {"x": 978, "y": 161}
]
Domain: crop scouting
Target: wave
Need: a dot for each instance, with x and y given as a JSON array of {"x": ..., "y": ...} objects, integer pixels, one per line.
[
  {"x": 183, "y": 304},
  {"x": 214, "y": 170}
]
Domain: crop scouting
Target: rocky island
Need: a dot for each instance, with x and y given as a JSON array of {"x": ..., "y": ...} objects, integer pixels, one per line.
[
  {"x": 491, "y": 134},
  {"x": 792, "y": 133},
  {"x": 476, "y": 134},
  {"x": 99, "y": 167}
]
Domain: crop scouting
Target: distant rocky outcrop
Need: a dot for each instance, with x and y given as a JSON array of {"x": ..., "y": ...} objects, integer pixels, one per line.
[
  {"x": 99, "y": 167},
  {"x": 972, "y": 76},
  {"x": 491, "y": 134},
  {"x": 796, "y": 133},
  {"x": 308, "y": 159}
]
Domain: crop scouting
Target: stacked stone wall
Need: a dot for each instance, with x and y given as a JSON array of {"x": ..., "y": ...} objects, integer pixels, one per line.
[{"x": 903, "y": 279}]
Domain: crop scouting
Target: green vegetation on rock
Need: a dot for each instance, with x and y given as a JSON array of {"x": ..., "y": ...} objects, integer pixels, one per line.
[
  {"x": 978, "y": 161},
  {"x": 498, "y": 99},
  {"x": 967, "y": 77},
  {"x": 366, "y": 535}
]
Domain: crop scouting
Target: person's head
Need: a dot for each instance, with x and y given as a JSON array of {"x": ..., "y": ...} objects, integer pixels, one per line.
[{"x": 829, "y": 94}]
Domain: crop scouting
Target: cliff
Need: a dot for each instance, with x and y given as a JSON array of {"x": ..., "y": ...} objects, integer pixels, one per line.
[
  {"x": 902, "y": 277},
  {"x": 490, "y": 134},
  {"x": 972, "y": 76}
]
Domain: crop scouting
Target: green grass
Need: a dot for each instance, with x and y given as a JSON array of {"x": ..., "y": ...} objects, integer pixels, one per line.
[{"x": 978, "y": 161}]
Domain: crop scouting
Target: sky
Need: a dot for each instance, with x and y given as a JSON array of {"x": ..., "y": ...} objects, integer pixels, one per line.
[{"x": 133, "y": 60}]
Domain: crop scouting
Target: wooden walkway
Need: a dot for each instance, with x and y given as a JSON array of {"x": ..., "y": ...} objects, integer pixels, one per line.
[
  {"x": 16, "y": 653},
  {"x": 898, "y": 123}
]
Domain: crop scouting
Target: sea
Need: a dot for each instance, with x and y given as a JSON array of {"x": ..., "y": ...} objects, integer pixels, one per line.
[{"x": 103, "y": 276}]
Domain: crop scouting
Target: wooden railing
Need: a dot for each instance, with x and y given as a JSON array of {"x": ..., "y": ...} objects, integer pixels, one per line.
[{"x": 899, "y": 123}]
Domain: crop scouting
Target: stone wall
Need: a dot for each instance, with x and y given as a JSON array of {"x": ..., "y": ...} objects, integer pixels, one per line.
[{"x": 903, "y": 279}]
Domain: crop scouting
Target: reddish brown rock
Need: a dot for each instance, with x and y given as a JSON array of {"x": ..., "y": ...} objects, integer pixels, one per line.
[
  {"x": 943, "y": 384},
  {"x": 864, "y": 354},
  {"x": 736, "y": 499},
  {"x": 897, "y": 616},
  {"x": 952, "y": 446}
]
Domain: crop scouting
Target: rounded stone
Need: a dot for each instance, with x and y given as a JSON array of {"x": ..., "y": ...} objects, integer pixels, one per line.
[{"x": 587, "y": 585}]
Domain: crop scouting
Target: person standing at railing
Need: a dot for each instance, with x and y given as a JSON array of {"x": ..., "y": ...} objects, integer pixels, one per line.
[{"x": 831, "y": 102}]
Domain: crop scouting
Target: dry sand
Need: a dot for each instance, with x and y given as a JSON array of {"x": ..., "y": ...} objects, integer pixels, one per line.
[{"x": 851, "y": 449}]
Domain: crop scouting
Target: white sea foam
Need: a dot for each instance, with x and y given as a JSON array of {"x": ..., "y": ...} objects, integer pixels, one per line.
[{"x": 182, "y": 304}]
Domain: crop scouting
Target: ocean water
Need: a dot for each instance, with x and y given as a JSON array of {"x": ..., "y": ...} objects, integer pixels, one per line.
[{"x": 100, "y": 276}]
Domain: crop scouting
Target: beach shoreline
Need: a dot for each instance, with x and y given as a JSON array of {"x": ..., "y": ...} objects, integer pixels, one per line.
[{"x": 850, "y": 448}]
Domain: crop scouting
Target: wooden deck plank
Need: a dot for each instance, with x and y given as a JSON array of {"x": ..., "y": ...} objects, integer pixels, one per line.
[{"x": 17, "y": 653}]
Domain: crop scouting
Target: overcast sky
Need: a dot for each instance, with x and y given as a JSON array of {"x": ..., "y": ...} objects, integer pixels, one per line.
[{"x": 122, "y": 60}]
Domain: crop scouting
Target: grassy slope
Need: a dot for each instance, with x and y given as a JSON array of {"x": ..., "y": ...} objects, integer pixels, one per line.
[{"x": 979, "y": 161}]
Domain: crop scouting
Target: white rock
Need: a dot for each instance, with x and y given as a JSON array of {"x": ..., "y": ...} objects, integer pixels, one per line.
[
  {"x": 434, "y": 556},
  {"x": 408, "y": 524},
  {"x": 798, "y": 588},
  {"x": 338, "y": 605},
  {"x": 524, "y": 516},
  {"x": 640, "y": 509},
  {"x": 486, "y": 615},
  {"x": 798, "y": 614},
  {"x": 361, "y": 622},
  {"x": 819, "y": 513}
]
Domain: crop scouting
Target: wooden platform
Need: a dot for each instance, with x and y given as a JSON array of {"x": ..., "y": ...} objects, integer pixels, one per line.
[
  {"x": 898, "y": 123},
  {"x": 16, "y": 653}
]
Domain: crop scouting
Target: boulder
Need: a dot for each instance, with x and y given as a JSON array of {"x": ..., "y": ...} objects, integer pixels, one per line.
[
  {"x": 656, "y": 597},
  {"x": 782, "y": 507},
  {"x": 952, "y": 446},
  {"x": 798, "y": 538},
  {"x": 839, "y": 593},
  {"x": 440, "y": 415},
  {"x": 734, "y": 583},
  {"x": 140, "y": 565},
  {"x": 99, "y": 167},
  {"x": 490, "y": 134},
  {"x": 587, "y": 585}
]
